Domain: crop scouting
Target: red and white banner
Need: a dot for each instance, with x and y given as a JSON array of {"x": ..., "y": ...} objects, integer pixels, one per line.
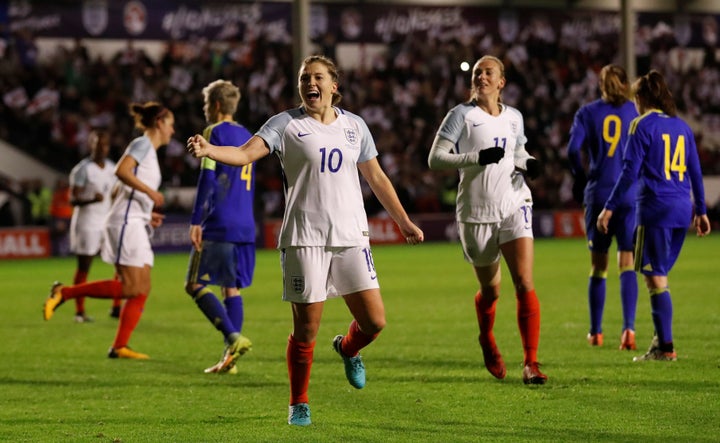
[
  {"x": 569, "y": 224},
  {"x": 24, "y": 243}
]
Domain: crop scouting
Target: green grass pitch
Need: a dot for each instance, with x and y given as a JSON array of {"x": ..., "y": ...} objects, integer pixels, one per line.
[{"x": 426, "y": 379}]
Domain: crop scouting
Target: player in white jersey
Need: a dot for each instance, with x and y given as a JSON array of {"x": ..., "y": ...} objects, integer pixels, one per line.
[
  {"x": 485, "y": 140},
  {"x": 90, "y": 183},
  {"x": 324, "y": 239},
  {"x": 126, "y": 240}
]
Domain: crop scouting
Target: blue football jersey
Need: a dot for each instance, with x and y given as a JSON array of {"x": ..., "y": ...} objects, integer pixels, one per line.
[
  {"x": 601, "y": 128},
  {"x": 224, "y": 200},
  {"x": 661, "y": 152}
]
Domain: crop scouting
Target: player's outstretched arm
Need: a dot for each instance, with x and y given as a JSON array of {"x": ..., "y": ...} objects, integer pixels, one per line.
[
  {"x": 254, "y": 149},
  {"x": 384, "y": 191}
]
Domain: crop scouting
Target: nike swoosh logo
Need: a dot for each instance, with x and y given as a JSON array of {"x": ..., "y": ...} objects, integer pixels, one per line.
[
  {"x": 477, "y": 124},
  {"x": 374, "y": 277},
  {"x": 300, "y": 134}
]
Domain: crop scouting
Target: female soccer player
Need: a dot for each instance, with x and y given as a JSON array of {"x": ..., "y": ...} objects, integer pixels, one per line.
[
  {"x": 222, "y": 228},
  {"x": 485, "y": 140},
  {"x": 324, "y": 238},
  {"x": 661, "y": 154},
  {"x": 91, "y": 181},
  {"x": 126, "y": 240},
  {"x": 600, "y": 130}
]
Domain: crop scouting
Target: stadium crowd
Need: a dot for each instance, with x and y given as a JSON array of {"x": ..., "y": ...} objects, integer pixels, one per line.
[{"x": 49, "y": 104}]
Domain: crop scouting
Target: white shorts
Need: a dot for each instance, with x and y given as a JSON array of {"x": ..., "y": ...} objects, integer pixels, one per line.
[
  {"x": 127, "y": 245},
  {"x": 314, "y": 273},
  {"x": 481, "y": 241},
  {"x": 85, "y": 241}
]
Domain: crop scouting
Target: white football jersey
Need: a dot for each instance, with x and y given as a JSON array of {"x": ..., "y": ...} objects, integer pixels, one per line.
[
  {"x": 131, "y": 204},
  {"x": 324, "y": 203},
  {"x": 491, "y": 193},
  {"x": 93, "y": 179}
]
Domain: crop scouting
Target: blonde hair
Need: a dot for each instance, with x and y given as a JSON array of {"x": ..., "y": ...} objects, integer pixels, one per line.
[
  {"x": 223, "y": 92},
  {"x": 614, "y": 85}
]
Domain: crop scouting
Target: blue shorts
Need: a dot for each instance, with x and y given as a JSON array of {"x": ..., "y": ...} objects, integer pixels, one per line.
[
  {"x": 622, "y": 227},
  {"x": 657, "y": 249},
  {"x": 229, "y": 265}
]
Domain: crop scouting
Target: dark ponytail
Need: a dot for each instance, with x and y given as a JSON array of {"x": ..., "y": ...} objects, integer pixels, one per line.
[
  {"x": 146, "y": 115},
  {"x": 653, "y": 93}
]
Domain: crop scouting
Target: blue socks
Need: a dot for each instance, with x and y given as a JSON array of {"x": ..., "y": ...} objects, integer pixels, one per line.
[
  {"x": 214, "y": 311},
  {"x": 662, "y": 313},
  {"x": 629, "y": 297},
  {"x": 235, "y": 311},
  {"x": 596, "y": 302}
]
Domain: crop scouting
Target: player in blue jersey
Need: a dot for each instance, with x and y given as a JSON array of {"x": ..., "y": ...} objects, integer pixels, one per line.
[
  {"x": 661, "y": 154},
  {"x": 324, "y": 238},
  {"x": 600, "y": 131},
  {"x": 222, "y": 227}
]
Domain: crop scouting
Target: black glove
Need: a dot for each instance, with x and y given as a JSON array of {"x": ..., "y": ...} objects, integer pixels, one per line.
[
  {"x": 533, "y": 169},
  {"x": 490, "y": 155},
  {"x": 578, "y": 188}
]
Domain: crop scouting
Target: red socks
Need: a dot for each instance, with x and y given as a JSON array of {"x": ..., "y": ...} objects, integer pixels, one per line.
[
  {"x": 95, "y": 289},
  {"x": 528, "y": 318},
  {"x": 80, "y": 277},
  {"x": 129, "y": 318},
  {"x": 485, "y": 311},
  {"x": 299, "y": 360},
  {"x": 356, "y": 340}
]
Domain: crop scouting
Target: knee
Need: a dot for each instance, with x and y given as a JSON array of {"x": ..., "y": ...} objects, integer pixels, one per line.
[
  {"x": 373, "y": 325},
  {"x": 523, "y": 285},
  {"x": 490, "y": 292},
  {"x": 131, "y": 290},
  {"x": 190, "y": 289},
  {"x": 305, "y": 333}
]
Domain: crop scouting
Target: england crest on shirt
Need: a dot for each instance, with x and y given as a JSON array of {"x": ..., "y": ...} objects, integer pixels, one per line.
[{"x": 351, "y": 136}]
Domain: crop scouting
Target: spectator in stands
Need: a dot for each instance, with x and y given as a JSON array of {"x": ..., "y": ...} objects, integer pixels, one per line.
[
  {"x": 393, "y": 84},
  {"x": 60, "y": 214},
  {"x": 40, "y": 197}
]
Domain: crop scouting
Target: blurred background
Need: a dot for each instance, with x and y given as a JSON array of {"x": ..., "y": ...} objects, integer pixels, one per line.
[{"x": 69, "y": 66}]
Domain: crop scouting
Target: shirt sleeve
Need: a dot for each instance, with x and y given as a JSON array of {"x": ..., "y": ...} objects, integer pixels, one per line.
[
  {"x": 442, "y": 155},
  {"x": 368, "y": 150},
  {"x": 272, "y": 131},
  {"x": 520, "y": 154},
  {"x": 696, "y": 180},
  {"x": 78, "y": 176},
  {"x": 139, "y": 148},
  {"x": 577, "y": 139},
  {"x": 204, "y": 190}
]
